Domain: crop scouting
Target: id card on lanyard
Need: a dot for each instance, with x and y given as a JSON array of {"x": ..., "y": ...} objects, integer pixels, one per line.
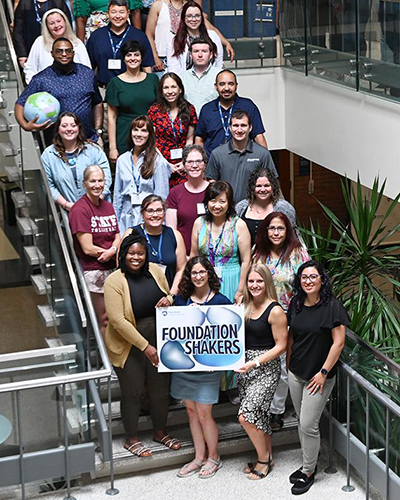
[
  {"x": 116, "y": 63},
  {"x": 136, "y": 196},
  {"x": 176, "y": 154},
  {"x": 37, "y": 15},
  {"x": 225, "y": 125},
  {"x": 155, "y": 253}
]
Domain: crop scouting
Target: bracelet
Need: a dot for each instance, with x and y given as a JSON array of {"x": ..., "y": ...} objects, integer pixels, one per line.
[{"x": 114, "y": 248}]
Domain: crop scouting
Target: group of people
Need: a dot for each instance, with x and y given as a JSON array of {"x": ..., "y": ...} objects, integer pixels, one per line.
[{"x": 194, "y": 216}]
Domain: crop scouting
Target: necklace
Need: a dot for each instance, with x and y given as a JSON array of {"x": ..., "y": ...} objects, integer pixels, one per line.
[{"x": 205, "y": 302}]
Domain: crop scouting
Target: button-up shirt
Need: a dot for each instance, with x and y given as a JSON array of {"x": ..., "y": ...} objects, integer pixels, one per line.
[
  {"x": 200, "y": 90},
  {"x": 76, "y": 91}
]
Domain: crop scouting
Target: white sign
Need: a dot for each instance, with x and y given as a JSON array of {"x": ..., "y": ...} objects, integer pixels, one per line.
[{"x": 203, "y": 338}]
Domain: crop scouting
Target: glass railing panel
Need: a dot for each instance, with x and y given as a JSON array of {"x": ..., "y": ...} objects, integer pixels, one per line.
[{"x": 293, "y": 34}]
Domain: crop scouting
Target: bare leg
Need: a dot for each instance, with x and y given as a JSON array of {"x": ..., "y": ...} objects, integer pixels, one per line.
[
  {"x": 262, "y": 444},
  {"x": 100, "y": 310},
  {"x": 210, "y": 433}
]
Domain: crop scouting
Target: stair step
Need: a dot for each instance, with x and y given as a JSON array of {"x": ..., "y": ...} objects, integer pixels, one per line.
[
  {"x": 48, "y": 316},
  {"x": 40, "y": 284},
  {"x": 26, "y": 226},
  {"x": 20, "y": 199},
  {"x": 13, "y": 173},
  {"x": 33, "y": 255},
  {"x": 5, "y": 125},
  {"x": 8, "y": 149},
  {"x": 3, "y": 101}
]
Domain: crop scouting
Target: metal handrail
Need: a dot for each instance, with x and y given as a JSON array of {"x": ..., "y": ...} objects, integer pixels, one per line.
[
  {"x": 86, "y": 293},
  {"x": 37, "y": 353}
]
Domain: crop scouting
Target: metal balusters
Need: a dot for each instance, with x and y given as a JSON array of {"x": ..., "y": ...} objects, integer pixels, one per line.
[
  {"x": 348, "y": 487},
  {"x": 112, "y": 490}
]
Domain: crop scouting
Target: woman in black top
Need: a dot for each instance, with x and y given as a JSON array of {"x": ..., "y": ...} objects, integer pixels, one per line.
[
  {"x": 317, "y": 323},
  {"x": 266, "y": 339}
]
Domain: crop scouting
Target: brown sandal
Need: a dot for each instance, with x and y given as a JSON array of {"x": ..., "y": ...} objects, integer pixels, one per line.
[{"x": 169, "y": 442}]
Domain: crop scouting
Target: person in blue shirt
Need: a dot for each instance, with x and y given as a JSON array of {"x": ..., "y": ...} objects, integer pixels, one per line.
[
  {"x": 213, "y": 126},
  {"x": 73, "y": 85},
  {"x": 105, "y": 43}
]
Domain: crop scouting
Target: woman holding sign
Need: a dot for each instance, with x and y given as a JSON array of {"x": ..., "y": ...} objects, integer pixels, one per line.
[
  {"x": 131, "y": 295},
  {"x": 266, "y": 339},
  {"x": 200, "y": 390}
]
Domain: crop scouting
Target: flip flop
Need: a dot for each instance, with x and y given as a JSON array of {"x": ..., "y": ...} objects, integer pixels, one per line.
[
  {"x": 139, "y": 450},
  {"x": 186, "y": 472},
  {"x": 169, "y": 442},
  {"x": 210, "y": 469}
]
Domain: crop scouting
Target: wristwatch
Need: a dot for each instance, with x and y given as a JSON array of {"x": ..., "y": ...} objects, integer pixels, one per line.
[
  {"x": 324, "y": 372},
  {"x": 99, "y": 131},
  {"x": 257, "y": 360}
]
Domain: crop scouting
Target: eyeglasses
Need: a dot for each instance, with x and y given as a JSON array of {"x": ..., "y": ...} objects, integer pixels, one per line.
[
  {"x": 195, "y": 17},
  {"x": 61, "y": 51},
  {"x": 274, "y": 229},
  {"x": 311, "y": 277},
  {"x": 201, "y": 273},
  {"x": 192, "y": 163},
  {"x": 156, "y": 211}
]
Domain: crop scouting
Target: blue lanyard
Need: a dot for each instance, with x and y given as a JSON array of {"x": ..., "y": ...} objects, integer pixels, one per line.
[
  {"x": 136, "y": 180},
  {"x": 272, "y": 271},
  {"x": 190, "y": 301},
  {"x": 225, "y": 126},
  {"x": 38, "y": 18},
  {"x": 173, "y": 128},
  {"x": 154, "y": 252},
  {"x": 114, "y": 48},
  {"x": 212, "y": 249}
]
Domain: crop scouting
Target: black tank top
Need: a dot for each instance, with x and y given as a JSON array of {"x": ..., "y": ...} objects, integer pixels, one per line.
[{"x": 258, "y": 332}]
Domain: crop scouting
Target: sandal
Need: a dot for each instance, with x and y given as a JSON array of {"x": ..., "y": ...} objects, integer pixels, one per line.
[
  {"x": 186, "y": 471},
  {"x": 169, "y": 442},
  {"x": 250, "y": 466},
  {"x": 210, "y": 470},
  {"x": 258, "y": 474},
  {"x": 139, "y": 450}
]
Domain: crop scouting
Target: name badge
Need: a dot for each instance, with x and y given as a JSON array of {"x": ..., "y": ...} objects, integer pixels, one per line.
[
  {"x": 137, "y": 198},
  {"x": 114, "y": 64},
  {"x": 176, "y": 154},
  {"x": 163, "y": 268},
  {"x": 218, "y": 271},
  {"x": 201, "y": 209}
]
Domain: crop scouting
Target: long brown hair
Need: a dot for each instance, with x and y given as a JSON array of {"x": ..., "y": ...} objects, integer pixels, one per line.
[
  {"x": 182, "y": 103},
  {"x": 81, "y": 140},
  {"x": 147, "y": 168}
]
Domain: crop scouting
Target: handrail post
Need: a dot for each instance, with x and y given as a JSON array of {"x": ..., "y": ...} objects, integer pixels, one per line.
[
  {"x": 111, "y": 490},
  {"x": 348, "y": 487},
  {"x": 387, "y": 454},
  {"x": 367, "y": 446},
  {"x": 66, "y": 450},
  {"x": 21, "y": 446},
  {"x": 330, "y": 469}
]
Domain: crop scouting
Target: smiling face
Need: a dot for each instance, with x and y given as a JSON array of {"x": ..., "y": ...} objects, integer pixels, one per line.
[
  {"x": 118, "y": 16},
  {"x": 94, "y": 184},
  {"x": 277, "y": 232},
  {"x": 63, "y": 52},
  {"x": 219, "y": 205},
  {"x": 170, "y": 90},
  {"x": 263, "y": 189},
  {"x": 240, "y": 129},
  {"x": 133, "y": 60},
  {"x": 195, "y": 165},
  {"x": 310, "y": 280},
  {"x": 226, "y": 86},
  {"x": 68, "y": 129},
  {"x": 201, "y": 54},
  {"x": 255, "y": 284},
  {"x": 135, "y": 258},
  {"x": 154, "y": 214},
  {"x": 140, "y": 136},
  {"x": 199, "y": 275},
  {"x": 193, "y": 18},
  {"x": 56, "y": 25}
]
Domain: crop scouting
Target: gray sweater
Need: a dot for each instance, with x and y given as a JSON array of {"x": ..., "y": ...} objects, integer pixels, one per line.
[{"x": 280, "y": 206}]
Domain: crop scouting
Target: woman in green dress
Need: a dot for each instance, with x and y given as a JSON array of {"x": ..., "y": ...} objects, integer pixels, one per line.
[{"x": 128, "y": 96}]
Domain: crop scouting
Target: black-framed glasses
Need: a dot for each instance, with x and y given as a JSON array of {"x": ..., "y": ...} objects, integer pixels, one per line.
[{"x": 311, "y": 277}]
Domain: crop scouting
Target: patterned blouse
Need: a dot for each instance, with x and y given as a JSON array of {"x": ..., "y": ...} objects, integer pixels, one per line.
[{"x": 224, "y": 247}]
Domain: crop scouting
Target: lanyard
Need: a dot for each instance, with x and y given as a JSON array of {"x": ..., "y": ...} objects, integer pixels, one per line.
[
  {"x": 154, "y": 252},
  {"x": 189, "y": 300},
  {"x": 225, "y": 126},
  {"x": 173, "y": 128},
  {"x": 38, "y": 18},
  {"x": 116, "y": 48},
  {"x": 272, "y": 271},
  {"x": 136, "y": 180},
  {"x": 212, "y": 249}
]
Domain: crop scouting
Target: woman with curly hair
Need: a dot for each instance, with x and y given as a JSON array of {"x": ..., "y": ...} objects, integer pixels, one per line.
[
  {"x": 66, "y": 159},
  {"x": 266, "y": 339},
  {"x": 263, "y": 197},
  {"x": 174, "y": 120},
  {"x": 317, "y": 330},
  {"x": 200, "y": 390}
]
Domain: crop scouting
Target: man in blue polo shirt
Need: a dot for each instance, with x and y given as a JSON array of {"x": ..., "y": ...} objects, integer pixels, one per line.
[
  {"x": 105, "y": 43},
  {"x": 213, "y": 127}
]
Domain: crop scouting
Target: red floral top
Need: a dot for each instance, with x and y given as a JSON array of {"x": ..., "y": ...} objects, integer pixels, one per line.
[{"x": 166, "y": 139}]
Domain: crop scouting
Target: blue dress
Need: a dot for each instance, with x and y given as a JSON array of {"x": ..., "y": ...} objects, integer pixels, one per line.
[{"x": 202, "y": 387}]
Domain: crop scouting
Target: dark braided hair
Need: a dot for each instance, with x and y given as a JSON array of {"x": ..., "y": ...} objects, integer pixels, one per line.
[
  {"x": 186, "y": 286},
  {"x": 325, "y": 294},
  {"x": 135, "y": 237}
]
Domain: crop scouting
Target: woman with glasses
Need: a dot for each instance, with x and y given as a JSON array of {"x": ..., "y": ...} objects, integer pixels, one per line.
[
  {"x": 165, "y": 244},
  {"x": 185, "y": 201},
  {"x": 140, "y": 171},
  {"x": 278, "y": 247},
  {"x": 200, "y": 390},
  {"x": 66, "y": 159},
  {"x": 317, "y": 325}
]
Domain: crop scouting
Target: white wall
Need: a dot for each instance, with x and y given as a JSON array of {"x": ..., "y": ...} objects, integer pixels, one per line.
[{"x": 336, "y": 127}]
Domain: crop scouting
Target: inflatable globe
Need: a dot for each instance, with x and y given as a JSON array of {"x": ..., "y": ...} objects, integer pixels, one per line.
[{"x": 43, "y": 105}]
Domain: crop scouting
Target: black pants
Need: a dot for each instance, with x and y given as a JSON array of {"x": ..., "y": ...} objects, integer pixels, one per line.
[{"x": 137, "y": 372}]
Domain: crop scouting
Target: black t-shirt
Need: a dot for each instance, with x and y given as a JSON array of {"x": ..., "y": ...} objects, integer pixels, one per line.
[
  {"x": 258, "y": 332},
  {"x": 145, "y": 293},
  {"x": 312, "y": 336}
]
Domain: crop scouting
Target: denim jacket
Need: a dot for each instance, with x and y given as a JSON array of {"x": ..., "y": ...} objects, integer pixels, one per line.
[
  {"x": 128, "y": 215},
  {"x": 60, "y": 177}
]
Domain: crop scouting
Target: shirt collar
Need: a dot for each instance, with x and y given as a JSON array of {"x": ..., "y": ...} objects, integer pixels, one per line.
[
  {"x": 73, "y": 69},
  {"x": 248, "y": 148},
  {"x": 205, "y": 72},
  {"x": 121, "y": 34},
  {"x": 234, "y": 102}
]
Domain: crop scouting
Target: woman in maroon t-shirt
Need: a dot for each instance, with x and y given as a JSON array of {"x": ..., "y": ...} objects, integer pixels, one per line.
[{"x": 96, "y": 238}]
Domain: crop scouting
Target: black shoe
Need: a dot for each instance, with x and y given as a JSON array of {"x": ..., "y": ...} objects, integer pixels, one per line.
[
  {"x": 303, "y": 484},
  {"x": 297, "y": 474},
  {"x": 276, "y": 422}
]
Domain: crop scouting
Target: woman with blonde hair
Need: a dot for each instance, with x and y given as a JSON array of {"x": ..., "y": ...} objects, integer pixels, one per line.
[
  {"x": 266, "y": 339},
  {"x": 55, "y": 25}
]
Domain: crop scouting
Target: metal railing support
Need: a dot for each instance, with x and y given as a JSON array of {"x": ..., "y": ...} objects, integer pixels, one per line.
[
  {"x": 330, "y": 469},
  {"x": 21, "y": 446},
  {"x": 66, "y": 444},
  {"x": 111, "y": 490},
  {"x": 348, "y": 487}
]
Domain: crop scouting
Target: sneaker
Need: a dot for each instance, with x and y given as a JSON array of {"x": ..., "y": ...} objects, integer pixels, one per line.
[{"x": 303, "y": 484}]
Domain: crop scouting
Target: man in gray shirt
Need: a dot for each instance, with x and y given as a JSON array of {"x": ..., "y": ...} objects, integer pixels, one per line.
[{"x": 234, "y": 161}]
